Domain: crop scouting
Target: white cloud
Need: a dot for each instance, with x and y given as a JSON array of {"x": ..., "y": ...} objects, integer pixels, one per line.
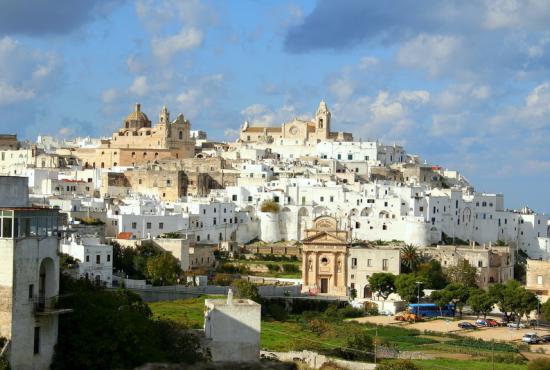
[
  {"x": 109, "y": 96},
  {"x": 368, "y": 62},
  {"x": 342, "y": 88},
  {"x": 186, "y": 39},
  {"x": 201, "y": 94},
  {"x": 434, "y": 53},
  {"x": 11, "y": 94},
  {"x": 139, "y": 87},
  {"x": 262, "y": 115},
  {"x": 25, "y": 73}
]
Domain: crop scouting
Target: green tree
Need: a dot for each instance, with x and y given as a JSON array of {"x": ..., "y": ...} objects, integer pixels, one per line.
[
  {"x": 383, "y": 283},
  {"x": 440, "y": 298},
  {"x": 513, "y": 299},
  {"x": 362, "y": 342},
  {"x": 246, "y": 290},
  {"x": 407, "y": 288},
  {"x": 545, "y": 310},
  {"x": 481, "y": 302},
  {"x": 163, "y": 269},
  {"x": 398, "y": 365},
  {"x": 410, "y": 259},
  {"x": 463, "y": 273},
  {"x": 459, "y": 295},
  {"x": 433, "y": 274},
  {"x": 115, "y": 330}
]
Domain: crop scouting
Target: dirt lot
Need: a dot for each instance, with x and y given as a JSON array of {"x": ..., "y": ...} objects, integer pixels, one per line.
[{"x": 450, "y": 326}]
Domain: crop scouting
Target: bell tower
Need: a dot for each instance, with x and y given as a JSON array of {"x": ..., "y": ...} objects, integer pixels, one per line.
[
  {"x": 164, "y": 116},
  {"x": 322, "y": 121}
]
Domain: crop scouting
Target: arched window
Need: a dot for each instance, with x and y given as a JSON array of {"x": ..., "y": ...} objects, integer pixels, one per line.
[
  {"x": 320, "y": 123},
  {"x": 181, "y": 135},
  {"x": 221, "y": 237}
]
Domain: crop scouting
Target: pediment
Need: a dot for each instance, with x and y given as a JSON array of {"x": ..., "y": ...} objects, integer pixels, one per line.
[{"x": 324, "y": 237}]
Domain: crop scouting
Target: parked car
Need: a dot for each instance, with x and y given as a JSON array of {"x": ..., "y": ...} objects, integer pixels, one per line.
[
  {"x": 515, "y": 325},
  {"x": 466, "y": 325},
  {"x": 545, "y": 338},
  {"x": 492, "y": 322},
  {"x": 481, "y": 322},
  {"x": 531, "y": 338}
]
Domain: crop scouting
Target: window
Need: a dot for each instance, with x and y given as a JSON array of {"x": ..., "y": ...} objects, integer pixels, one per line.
[
  {"x": 198, "y": 238},
  {"x": 276, "y": 199},
  {"x": 339, "y": 156},
  {"x": 87, "y": 258},
  {"x": 354, "y": 263},
  {"x": 249, "y": 198},
  {"x": 322, "y": 199},
  {"x": 350, "y": 157},
  {"x": 479, "y": 263},
  {"x": 108, "y": 258},
  {"x": 332, "y": 199},
  {"x": 539, "y": 279},
  {"x": 366, "y": 158},
  {"x": 6, "y": 227},
  {"x": 234, "y": 197},
  {"x": 148, "y": 226},
  {"x": 36, "y": 340},
  {"x": 385, "y": 265},
  {"x": 98, "y": 259},
  {"x": 324, "y": 261},
  {"x": 421, "y": 209},
  {"x": 31, "y": 291},
  {"x": 161, "y": 225},
  {"x": 134, "y": 225},
  {"x": 369, "y": 263},
  {"x": 384, "y": 227}
]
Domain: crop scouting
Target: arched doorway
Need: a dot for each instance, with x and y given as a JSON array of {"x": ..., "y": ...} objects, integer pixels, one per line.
[
  {"x": 367, "y": 292},
  {"x": 47, "y": 283}
]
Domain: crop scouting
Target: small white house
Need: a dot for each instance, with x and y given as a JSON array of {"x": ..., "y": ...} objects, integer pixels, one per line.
[{"x": 95, "y": 259}]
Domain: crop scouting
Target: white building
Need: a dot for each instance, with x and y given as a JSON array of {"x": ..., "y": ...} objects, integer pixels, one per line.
[
  {"x": 233, "y": 327},
  {"x": 29, "y": 278},
  {"x": 95, "y": 259}
]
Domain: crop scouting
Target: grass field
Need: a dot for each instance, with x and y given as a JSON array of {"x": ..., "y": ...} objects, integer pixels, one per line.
[
  {"x": 448, "y": 364},
  {"x": 184, "y": 311},
  {"x": 293, "y": 335}
]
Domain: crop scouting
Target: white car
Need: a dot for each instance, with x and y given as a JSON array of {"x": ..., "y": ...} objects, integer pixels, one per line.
[
  {"x": 531, "y": 338},
  {"x": 515, "y": 325}
]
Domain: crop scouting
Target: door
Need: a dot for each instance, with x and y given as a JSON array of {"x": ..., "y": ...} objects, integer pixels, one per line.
[{"x": 324, "y": 285}]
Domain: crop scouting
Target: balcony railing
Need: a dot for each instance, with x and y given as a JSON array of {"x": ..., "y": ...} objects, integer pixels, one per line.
[{"x": 44, "y": 306}]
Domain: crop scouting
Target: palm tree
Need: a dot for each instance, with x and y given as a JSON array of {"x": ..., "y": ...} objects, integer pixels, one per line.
[{"x": 410, "y": 258}]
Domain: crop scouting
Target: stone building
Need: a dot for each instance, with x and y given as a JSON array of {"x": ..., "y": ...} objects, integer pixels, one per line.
[
  {"x": 152, "y": 180},
  {"x": 8, "y": 142},
  {"x": 297, "y": 131},
  {"x": 324, "y": 258},
  {"x": 365, "y": 261},
  {"x": 538, "y": 278},
  {"x": 138, "y": 142},
  {"x": 494, "y": 264}
]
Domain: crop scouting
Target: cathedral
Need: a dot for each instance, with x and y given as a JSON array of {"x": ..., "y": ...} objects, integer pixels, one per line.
[
  {"x": 139, "y": 142},
  {"x": 296, "y": 131}
]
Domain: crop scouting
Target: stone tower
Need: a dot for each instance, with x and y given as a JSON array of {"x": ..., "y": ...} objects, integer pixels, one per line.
[{"x": 322, "y": 121}]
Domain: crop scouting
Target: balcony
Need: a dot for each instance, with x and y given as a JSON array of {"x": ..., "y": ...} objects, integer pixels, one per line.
[{"x": 48, "y": 306}]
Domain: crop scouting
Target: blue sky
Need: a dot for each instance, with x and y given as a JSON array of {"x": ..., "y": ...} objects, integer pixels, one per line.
[{"x": 463, "y": 84}]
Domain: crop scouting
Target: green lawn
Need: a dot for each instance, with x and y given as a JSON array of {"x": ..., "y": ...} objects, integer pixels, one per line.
[
  {"x": 290, "y": 335},
  {"x": 185, "y": 311},
  {"x": 448, "y": 364}
]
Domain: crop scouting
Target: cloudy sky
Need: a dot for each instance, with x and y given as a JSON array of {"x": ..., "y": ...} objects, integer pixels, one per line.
[{"x": 463, "y": 84}]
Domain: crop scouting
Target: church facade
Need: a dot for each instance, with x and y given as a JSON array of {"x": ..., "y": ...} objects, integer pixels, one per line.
[
  {"x": 297, "y": 131},
  {"x": 138, "y": 142},
  {"x": 324, "y": 258}
]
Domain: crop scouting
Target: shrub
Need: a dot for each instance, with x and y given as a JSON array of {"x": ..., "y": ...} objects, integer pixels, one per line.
[
  {"x": 269, "y": 206},
  {"x": 290, "y": 268},
  {"x": 398, "y": 365},
  {"x": 277, "y": 311},
  {"x": 318, "y": 326},
  {"x": 373, "y": 311},
  {"x": 222, "y": 279},
  {"x": 246, "y": 290},
  {"x": 272, "y": 267},
  {"x": 539, "y": 364}
]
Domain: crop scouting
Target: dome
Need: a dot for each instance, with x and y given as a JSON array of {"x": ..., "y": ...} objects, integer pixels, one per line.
[{"x": 137, "y": 119}]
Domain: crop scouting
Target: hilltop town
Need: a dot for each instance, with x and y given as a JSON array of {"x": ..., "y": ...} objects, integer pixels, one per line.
[{"x": 298, "y": 209}]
